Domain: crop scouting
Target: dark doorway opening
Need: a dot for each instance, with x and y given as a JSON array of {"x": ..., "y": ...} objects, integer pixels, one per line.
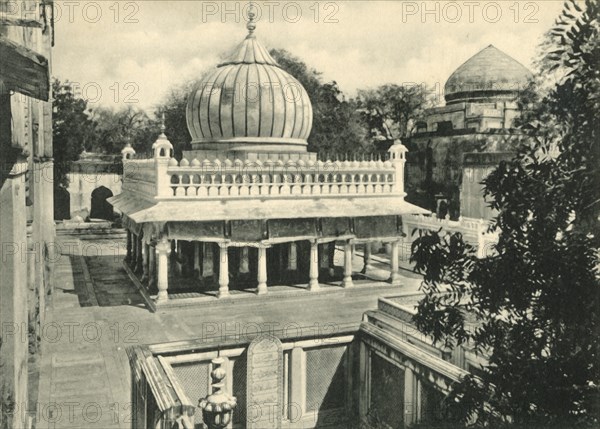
[
  {"x": 101, "y": 209},
  {"x": 62, "y": 203}
]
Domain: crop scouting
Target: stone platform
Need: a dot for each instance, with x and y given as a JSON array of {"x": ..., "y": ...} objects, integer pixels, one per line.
[{"x": 97, "y": 312}]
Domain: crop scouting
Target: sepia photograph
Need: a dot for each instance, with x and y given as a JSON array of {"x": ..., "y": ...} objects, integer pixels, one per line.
[{"x": 299, "y": 214}]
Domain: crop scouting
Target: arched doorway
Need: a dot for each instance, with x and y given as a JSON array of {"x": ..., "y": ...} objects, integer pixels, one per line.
[
  {"x": 62, "y": 203},
  {"x": 101, "y": 209}
]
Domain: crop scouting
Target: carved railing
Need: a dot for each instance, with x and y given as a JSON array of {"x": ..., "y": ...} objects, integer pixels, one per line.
[
  {"x": 236, "y": 179},
  {"x": 474, "y": 231},
  {"x": 166, "y": 178}
]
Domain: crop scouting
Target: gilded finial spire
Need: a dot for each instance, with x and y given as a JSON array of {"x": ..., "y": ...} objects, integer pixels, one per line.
[
  {"x": 162, "y": 123},
  {"x": 251, "y": 25}
]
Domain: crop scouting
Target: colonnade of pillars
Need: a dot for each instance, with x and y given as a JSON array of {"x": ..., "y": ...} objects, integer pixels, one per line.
[{"x": 152, "y": 262}]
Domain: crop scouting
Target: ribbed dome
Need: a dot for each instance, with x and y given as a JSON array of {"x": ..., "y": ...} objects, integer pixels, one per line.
[
  {"x": 488, "y": 74},
  {"x": 249, "y": 103}
]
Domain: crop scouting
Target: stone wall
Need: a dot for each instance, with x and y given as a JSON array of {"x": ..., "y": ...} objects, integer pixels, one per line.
[
  {"x": 477, "y": 166},
  {"x": 480, "y": 116},
  {"x": 26, "y": 202},
  {"x": 81, "y": 188},
  {"x": 302, "y": 383},
  {"x": 435, "y": 164},
  {"x": 91, "y": 173}
]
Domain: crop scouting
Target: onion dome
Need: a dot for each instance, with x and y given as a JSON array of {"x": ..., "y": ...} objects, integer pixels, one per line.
[
  {"x": 249, "y": 103},
  {"x": 488, "y": 75}
]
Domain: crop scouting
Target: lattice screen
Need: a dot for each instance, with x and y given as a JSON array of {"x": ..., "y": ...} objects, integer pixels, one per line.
[
  {"x": 194, "y": 378},
  {"x": 326, "y": 378},
  {"x": 431, "y": 403},
  {"x": 386, "y": 408}
]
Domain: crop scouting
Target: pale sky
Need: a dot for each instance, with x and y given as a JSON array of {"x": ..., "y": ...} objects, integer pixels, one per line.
[{"x": 135, "y": 51}]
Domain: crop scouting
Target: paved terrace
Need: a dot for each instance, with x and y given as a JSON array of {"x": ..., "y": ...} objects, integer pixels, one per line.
[{"x": 97, "y": 312}]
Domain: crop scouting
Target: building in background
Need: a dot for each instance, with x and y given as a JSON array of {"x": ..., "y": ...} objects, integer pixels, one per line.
[
  {"x": 459, "y": 144},
  {"x": 481, "y": 107},
  {"x": 26, "y": 204}
]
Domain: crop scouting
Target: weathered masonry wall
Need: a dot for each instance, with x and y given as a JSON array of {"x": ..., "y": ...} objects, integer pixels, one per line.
[
  {"x": 317, "y": 380},
  {"x": 26, "y": 197}
]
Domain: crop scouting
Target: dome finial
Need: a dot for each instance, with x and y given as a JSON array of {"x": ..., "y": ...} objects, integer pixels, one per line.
[
  {"x": 162, "y": 123},
  {"x": 251, "y": 26}
]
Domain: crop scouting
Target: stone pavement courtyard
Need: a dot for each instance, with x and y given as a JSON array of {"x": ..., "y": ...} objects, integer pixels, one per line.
[{"x": 96, "y": 313}]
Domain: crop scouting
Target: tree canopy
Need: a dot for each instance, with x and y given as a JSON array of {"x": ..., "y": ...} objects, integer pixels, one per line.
[
  {"x": 337, "y": 125},
  {"x": 392, "y": 111},
  {"x": 537, "y": 299},
  {"x": 115, "y": 128},
  {"x": 174, "y": 108},
  {"x": 342, "y": 126},
  {"x": 73, "y": 129},
  {"x": 77, "y": 127}
]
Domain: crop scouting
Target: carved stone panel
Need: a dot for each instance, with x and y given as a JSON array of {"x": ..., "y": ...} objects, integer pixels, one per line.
[{"x": 265, "y": 383}]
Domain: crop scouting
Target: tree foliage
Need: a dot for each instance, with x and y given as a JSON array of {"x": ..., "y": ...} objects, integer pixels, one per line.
[
  {"x": 536, "y": 302},
  {"x": 337, "y": 125},
  {"x": 342, "y": 127},
  {"x": 72, "y": 130},
  {"x": 115, "y": 128},
  {"x": 174, "y": 108},
  {"x": 76, "y": 128},
  {"x": 392, "y": 111}
]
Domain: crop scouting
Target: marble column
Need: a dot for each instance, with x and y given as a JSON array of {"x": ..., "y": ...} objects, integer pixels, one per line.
[
  {"x": 163, "y": 248},
  {"x": 395, "y": 268},
  {"x": 410, "y": 397},
  {"x": 347, "y": 282},
  {"x": 197, "y": 260},
  {"x": 388, "y": 248},
  {"x": 324, "y": 256},
  {"x": 244, "y": 260},
  {"x": 151, "y": 266},
  {"x": 223, "y": 271},
  {"x": 262, "y": 271},
  {"x": 139, "y": 263},
  {"x": 134, "y": 251},
  {"x": 129, "y": 247},
  {"x": 313, "y": 284},
  {"x": 173, "y": 256},
  {"x": 179, "y": 258},
  {"x": 280, "y": 256},
  {"x": 331, "y": 256},
  {"x": 145, "y": 261},
  {"x": 292, "y": 257},
  {"x": 366, "y": 258},
  {"x": 207, "y": 260}
]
